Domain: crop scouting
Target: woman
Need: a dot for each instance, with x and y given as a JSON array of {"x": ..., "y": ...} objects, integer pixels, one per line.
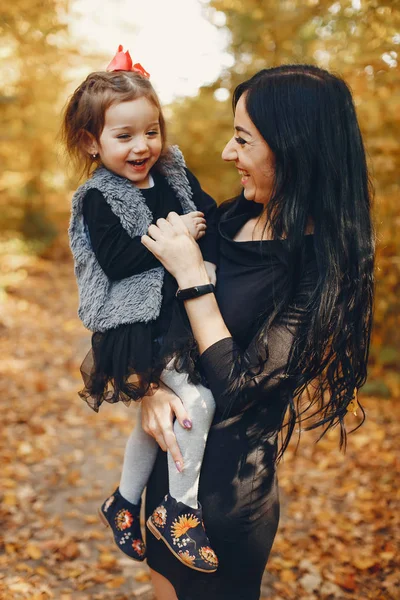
[{"x": 292, "y": 307}]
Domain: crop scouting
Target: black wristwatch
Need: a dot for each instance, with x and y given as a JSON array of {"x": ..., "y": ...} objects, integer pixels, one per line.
[{"x": 195, "y": 292}]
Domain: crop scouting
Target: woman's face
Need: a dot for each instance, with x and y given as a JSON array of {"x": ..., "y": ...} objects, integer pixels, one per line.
[{"x": 252, "y": 156}]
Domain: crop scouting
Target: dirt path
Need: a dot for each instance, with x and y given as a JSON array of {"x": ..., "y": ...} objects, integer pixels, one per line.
[{"x": 59, "y": 459}]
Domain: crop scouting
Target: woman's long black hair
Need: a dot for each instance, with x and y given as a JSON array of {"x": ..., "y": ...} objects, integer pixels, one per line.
[{"x": 307, "y": 117}]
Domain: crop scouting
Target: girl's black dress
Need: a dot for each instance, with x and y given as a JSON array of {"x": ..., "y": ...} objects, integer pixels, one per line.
[
  {"x": 138, "y": 348},
  {"x": 238, "y": 485}
]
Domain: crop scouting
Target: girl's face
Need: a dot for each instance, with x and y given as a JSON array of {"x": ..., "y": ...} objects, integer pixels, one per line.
[
  {"x": 130, "y": 143},
  {"x": 252, "y": 156}
]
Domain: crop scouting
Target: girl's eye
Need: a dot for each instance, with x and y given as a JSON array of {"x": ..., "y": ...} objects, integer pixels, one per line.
[
  {"x": 123, "y": 136},
  {"x": 152, "y": 133},
  {"x": 240, "y": 140}
]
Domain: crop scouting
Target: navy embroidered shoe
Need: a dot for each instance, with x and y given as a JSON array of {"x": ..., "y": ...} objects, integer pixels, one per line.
[
  {"x": 124, "y": 519},
  {"x": 181, "y": 528}
]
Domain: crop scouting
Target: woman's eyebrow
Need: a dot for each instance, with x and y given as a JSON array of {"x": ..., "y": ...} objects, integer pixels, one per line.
[{"x": 242, "y": 129}]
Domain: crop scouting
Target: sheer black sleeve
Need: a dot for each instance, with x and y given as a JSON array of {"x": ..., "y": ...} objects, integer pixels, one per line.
[
  {"x": 227, "y": 366},
  {"x": 119, "y": 254},
  {"x": 209, "y": 243}
]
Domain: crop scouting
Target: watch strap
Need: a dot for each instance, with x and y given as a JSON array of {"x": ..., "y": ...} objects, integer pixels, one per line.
[{"x": 195, "y": 291}]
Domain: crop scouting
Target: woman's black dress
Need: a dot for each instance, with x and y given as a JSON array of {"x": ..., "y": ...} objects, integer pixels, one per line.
[{"x": 238, "y": 485}]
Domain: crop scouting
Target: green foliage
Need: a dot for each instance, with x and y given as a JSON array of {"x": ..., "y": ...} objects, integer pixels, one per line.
[
  {"x": 377, "y": 387},
  {"x": 32, "y": 67},
  {"x": 361, "y": 45}
]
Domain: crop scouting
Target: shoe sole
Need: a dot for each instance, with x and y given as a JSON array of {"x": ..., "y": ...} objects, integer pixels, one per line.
[
  {"x": 159, "y": 536},
  {"x": 107, "y": 524}
]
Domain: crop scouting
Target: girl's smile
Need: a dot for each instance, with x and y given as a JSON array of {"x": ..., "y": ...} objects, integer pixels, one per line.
[{"x": 130, "y": 143}]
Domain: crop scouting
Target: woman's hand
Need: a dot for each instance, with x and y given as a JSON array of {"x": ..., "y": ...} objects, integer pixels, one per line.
[
  {"x": 211, "y": 269},
  {"x": 172, "y": 244},
  {"x": 158, "y": 411},
  {"x": 170, "y": 241}
]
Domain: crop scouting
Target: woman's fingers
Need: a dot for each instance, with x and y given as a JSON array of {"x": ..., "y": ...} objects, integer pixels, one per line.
[
  {"x": 173, "y": 448},
  {"x": 154, "y": 231},
  {"x": 174, "y": 219},
  {"x": 163, "y": 224},
  {"x": 149, "y": 426},
  {"x": 161, "y": 442},
  {"x": 181, "y": 413},
  {"x": 150, "y": 244},
  {"x": 157, "y": 421}
]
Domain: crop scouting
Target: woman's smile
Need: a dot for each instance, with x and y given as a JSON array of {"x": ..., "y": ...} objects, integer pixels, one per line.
[
  {"x": 243, "y": 175},
  {"x": 252, "y": 156}
]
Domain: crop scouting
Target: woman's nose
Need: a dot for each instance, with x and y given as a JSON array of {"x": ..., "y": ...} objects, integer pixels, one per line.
[{"x": 229, "y": 152}]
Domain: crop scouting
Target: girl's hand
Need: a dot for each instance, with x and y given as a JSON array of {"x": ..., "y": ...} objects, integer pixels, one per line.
[
  {"x": 170, "y": 241},
  {"x": 158, "y": 411},
  {"x": 196, "y": 224}
]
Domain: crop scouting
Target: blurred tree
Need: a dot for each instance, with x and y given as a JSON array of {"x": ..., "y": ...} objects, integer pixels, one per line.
[
  {"x": 33, "y": 62},
  {"x": 360, "y": 41}
]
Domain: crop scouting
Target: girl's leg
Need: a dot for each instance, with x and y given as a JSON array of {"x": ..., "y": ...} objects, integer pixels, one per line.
[
  {"x": 199, "y": 402},
  {"x": 163, "y": 589},
  {"x": 140, "y": 455}
]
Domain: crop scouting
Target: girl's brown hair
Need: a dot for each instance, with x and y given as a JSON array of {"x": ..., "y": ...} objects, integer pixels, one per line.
[{"x": 85, "y": 111}]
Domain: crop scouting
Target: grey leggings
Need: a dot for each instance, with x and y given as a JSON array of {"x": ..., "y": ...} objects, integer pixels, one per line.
[{"x": 141, "y": 449}]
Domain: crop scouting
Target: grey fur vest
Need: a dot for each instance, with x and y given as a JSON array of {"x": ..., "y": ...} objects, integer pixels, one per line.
[{"x": 105, "y": 304}]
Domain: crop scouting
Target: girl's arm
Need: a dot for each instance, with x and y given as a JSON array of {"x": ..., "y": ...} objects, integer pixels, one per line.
[{"x": 118, "y": 254}]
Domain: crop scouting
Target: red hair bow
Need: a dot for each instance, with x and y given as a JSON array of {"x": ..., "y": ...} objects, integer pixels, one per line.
[{"x": 122, "y": 62}]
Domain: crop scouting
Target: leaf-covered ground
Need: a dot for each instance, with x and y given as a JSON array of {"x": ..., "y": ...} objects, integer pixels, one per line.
[{"x": 340, "y": 528}]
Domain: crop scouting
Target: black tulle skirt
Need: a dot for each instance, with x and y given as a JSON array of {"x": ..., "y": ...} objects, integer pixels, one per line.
[{"x": 124, "y": 362}]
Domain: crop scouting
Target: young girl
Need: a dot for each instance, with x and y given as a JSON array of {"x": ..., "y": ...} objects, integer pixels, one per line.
[{"x": 114, "y": 122}]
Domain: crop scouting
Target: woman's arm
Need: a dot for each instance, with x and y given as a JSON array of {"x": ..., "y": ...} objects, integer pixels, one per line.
[
  {"x": 249, "y": 375},
  {"x": 226, "y": 365},
  {"x": 172, "y": 244}
]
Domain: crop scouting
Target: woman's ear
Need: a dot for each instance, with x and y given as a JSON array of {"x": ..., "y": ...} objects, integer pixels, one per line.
[{"x": 89, "y": 143}]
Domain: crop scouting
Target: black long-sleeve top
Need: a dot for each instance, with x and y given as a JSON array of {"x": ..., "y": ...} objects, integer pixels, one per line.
[
  {"x": 249, "y": 283},
  {"x": 122, "y": 256}
]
